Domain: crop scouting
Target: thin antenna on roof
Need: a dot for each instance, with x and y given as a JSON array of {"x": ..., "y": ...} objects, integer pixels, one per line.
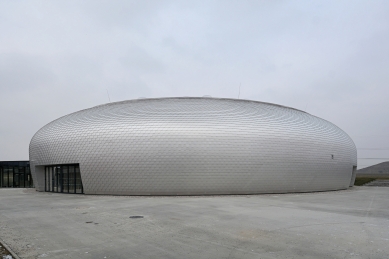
[
  {"x": 108, "y": 95},
  {"x": 239, "y": 90},
  {"x": 306, "y": 107}
]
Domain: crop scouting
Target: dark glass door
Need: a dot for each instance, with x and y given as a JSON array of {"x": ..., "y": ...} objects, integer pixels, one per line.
[
  {"x": 63, "y": 178},
  {"x": 18, "y": 180}
]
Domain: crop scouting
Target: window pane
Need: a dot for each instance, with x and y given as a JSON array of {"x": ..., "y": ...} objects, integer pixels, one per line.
[
  {"x": 56, "y": 179},
  {"x": 5, "y": 177},
  {"x": 71, "y": 179},
  {"x": 65, "y": 180},
  {"x": 52, "y": 179},
  {"x": 78, "y": 180},
  {"x": 20, "y": 181},
  {"x": 27, "y": 179},
  {"x": 48, "y": 179},
  {"x": 10, "y": 177},
  {"x": 31, "y": 181}
]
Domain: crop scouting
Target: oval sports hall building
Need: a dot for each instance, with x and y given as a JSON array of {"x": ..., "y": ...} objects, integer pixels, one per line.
[{"x": 191, "y": 146}]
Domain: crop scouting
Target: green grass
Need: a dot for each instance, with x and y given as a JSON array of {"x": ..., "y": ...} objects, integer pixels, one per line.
[{"x": 363, "y": 180}]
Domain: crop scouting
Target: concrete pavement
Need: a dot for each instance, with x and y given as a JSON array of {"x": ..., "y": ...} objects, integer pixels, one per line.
[{"x": 352, "y": 223}]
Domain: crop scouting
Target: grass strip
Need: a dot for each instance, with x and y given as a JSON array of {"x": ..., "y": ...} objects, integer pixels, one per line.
[{"x": 359, "y": 181}]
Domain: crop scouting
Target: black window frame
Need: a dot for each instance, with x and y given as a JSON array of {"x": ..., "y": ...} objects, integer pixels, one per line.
[{"x": 54, "y": 176}]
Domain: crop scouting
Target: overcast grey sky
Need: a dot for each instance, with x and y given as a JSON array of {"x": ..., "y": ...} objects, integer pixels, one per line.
[{"x": 330, "y": 58}]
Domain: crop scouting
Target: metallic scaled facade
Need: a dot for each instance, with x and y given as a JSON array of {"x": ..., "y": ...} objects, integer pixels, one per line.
[{"x": 196, "y": 146}]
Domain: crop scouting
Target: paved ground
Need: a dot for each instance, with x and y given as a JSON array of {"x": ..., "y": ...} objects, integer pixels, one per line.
[
  {"x": 345, "y": 224},
  {"x": 379, "y": 182}
]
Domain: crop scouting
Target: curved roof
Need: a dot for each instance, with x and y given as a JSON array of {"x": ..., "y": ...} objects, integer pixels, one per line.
[{"x": 187, "y": 97}]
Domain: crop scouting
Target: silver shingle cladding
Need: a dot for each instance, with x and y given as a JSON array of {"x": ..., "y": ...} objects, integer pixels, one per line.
[{"x": 192, "y": 146}]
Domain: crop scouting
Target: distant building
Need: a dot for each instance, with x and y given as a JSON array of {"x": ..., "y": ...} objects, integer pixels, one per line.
[
  {"x": 381, "y": 169},
  {"x": 15, "y": 174}
]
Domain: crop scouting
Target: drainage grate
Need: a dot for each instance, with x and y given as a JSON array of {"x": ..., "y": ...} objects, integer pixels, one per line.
[{"x": 136, "y": 217}]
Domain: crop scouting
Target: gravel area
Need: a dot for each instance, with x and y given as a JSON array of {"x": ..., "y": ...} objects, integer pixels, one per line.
[{"x": 4, "y": 253}]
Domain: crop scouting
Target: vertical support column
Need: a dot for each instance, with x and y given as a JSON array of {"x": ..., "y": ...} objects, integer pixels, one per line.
[
  {"x": 82, "y": 186},
  {"x": 75, "y": 179},
  {"x": 56, "y": 175},
  {"x": 52, "y": 178},
  {"x": 23, "y": 175},
  {"x": 353, "y": 176},
  {"x": 60, "y": 179},
  {"x": 13, "y": 177},
  {"x": 68, "y": 179},
  {"x": 39, "y": 172},
  {"x": 48, "y": 178}
]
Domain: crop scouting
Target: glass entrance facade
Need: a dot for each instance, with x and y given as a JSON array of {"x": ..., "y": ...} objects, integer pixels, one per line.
[
  {"x": 63, "y": 178},
  {"x": 15, "y": 174}
]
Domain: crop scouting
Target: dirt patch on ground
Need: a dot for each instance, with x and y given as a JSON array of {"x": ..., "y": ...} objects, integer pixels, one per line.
[{"x": 4, "y": 252}]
